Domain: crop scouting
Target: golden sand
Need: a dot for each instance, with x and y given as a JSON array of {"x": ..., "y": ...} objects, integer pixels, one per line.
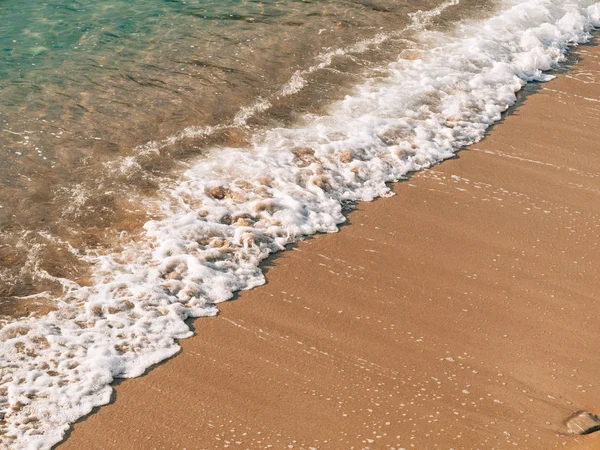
[{"x": 461, "y": 313}]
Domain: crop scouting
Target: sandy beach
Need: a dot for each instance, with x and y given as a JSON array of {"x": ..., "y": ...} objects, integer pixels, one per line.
[{"x": 461, "y": 313}]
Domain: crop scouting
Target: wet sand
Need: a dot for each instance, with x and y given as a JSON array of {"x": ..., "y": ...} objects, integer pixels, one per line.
[{"x": 461, "y": 313}]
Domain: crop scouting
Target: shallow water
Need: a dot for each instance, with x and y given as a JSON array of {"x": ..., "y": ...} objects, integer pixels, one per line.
[
  {"x": 197, "y": 154},
  {"x": 84, "y": 84}
]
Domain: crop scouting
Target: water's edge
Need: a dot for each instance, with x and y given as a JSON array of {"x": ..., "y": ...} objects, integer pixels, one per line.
[{"x": 218, "y": 231}]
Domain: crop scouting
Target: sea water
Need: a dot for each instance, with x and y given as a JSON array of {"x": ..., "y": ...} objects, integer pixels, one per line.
[
  {"x": 153, "y": 154},
  {"x": 84, "y": 84}
]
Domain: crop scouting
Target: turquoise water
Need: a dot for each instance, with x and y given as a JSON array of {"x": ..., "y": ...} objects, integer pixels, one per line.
[
  {"x": 85, "y": 84},
  {"x": 225, "y": 133},
  {"x": 61, "y": 59}
]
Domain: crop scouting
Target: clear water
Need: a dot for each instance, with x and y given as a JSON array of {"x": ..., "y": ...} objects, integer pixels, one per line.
[
  {"x": 225, "y": 132},
  {"x": 84, "y": 84}
]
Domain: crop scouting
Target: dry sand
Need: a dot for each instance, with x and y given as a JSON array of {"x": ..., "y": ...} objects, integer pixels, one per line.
[{"x": 461, "y": 313}]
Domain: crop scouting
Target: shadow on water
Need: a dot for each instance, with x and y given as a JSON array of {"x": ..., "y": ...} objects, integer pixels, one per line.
[{"x": 271, "y": 261}]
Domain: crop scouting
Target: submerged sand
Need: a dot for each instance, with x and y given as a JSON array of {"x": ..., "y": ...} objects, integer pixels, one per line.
[{"x": 461, "y": 313}]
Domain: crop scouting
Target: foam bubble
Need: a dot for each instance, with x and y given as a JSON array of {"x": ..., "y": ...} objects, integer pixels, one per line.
[{"x": 236, "y": 206}]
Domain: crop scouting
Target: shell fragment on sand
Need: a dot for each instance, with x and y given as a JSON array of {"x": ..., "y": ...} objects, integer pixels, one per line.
[{"x": 583, "y": 422}]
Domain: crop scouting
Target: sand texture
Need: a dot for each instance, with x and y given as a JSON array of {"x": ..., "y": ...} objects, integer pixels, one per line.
[{"x": 462, "y": 313}]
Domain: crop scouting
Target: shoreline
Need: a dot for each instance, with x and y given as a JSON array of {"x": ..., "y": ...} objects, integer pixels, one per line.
[{"x": 444, "y": 315}]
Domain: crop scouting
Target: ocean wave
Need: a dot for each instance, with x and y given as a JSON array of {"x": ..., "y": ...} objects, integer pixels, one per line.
[{"x": 235, "y": 206}]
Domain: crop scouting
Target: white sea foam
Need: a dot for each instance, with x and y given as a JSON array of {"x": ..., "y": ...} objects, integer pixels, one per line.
[{"x": 237, "y": 206}]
